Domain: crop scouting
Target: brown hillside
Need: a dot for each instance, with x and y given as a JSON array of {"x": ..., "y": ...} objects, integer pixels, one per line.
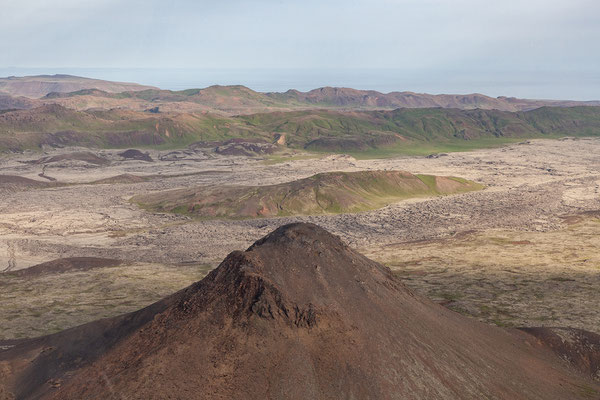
[{"x": 299, "y": 315}]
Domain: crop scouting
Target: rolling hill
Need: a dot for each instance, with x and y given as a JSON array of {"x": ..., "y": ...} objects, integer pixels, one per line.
[
  {"x": 298, "y": 315},
  {"x": 400, "y": 131},
  {"x": 325, "y": 193},
  {"x": 239, "y": 99}
]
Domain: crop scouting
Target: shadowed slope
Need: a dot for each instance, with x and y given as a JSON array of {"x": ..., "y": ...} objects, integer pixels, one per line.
[
  {"x": 299, "y": 315},
  {"x": 67, "y": 264},
  {"x": 326, "y": 193}
]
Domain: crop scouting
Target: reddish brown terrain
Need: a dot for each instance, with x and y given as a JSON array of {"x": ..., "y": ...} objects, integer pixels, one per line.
[{"x": 299, "y": 315}]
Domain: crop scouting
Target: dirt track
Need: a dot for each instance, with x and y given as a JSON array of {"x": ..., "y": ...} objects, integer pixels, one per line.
[{"x": 529, "y": 186}]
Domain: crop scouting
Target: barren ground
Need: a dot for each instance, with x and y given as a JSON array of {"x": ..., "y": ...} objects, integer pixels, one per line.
[{"x": 506, "y": 255}]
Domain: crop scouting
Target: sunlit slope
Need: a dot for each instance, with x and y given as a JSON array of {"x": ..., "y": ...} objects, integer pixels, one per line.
[{"x": 326, "y": 193}]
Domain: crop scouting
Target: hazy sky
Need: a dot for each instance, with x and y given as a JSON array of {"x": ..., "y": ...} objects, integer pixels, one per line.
[{"x": 532, "y": 36}]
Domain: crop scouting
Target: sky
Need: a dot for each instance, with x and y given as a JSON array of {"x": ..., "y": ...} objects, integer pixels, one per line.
[{"x": 473, "y": 44}]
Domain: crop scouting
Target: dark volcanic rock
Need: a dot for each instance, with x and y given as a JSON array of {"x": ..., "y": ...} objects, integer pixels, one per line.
[
  {"x": 245, "y": 147},
  {"x": 299, "y": 315},
  {"x": 133, "y": 154},
  {"x": 84, "y": 156},
  {"x": 153, "y": 110}
]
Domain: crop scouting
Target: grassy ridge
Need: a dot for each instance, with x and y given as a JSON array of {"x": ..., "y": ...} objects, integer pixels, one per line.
[
  {"x": 408, "y": 131},
  {"x": 326, "y": 193}
]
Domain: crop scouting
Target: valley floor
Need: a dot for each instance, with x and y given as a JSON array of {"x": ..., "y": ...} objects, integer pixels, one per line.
[{"x": 522, "y": 252}]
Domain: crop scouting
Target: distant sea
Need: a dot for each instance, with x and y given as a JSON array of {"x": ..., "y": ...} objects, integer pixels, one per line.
[{"x": 564, "y": 85}]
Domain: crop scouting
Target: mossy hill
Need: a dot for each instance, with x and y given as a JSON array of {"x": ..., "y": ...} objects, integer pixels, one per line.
[{"x": 326, "y": 193}]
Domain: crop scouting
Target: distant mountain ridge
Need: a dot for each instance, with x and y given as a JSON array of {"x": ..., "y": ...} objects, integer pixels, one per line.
[
  {"x": 84, "y": 93},
  {"x": 370, "y": 98},
  {"x": 239, "y": 99},
  {"x": 40, "y": 85}
]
